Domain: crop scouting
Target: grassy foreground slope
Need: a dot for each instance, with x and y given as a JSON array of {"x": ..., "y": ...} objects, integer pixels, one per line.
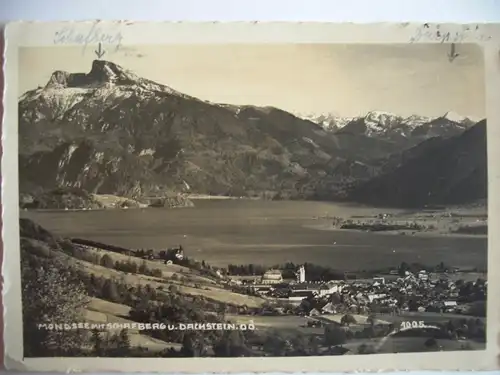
[{"x": 65, "y": 283}]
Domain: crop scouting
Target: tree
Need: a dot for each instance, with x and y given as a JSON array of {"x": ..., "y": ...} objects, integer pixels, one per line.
[
  {"x": 313, "y": 345},
  {"x": 335, "y": 298},
  {"x": 97, "y": 343},
  {"x": 172, "y": 289},
  {"x": 403, "y": 268},
  {"x": 301, "y": 345},
  {"x": 366, "y": 349},
  {"x": 50, "y": 294},
  {"x": 368, "y": 332},
  {"x": 347, "y": 320},
  {"x": 143, "y": 268},
  {"x": 276, "y": 345},
  {"x": 107, "y": 261},
  {"x": 334, "y": 335},
  {"x": 132, "y": 266},
  {"x": 371, "y": 320},
  {"x": 221, "y": 310},
  {"x": 413, "y": 305},
  {"x": 478, "y": 309},
  {"x": 123, "y": 343},
  {"x": 231, "y": 344},
  {"x": 431, "y": 343},
  {"x": 192, "y": 345},
  {"x": 110, "y": 292}
]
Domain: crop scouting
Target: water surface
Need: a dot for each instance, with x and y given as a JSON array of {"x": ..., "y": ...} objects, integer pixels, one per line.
[{"x": 262, "y": 232}]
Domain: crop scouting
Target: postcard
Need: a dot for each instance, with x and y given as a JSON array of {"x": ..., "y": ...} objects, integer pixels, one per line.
[{"x": 250, "y": 197}]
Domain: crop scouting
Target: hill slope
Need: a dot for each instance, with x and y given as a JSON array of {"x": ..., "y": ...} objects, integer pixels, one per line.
[{"x": 438, "y": 171}]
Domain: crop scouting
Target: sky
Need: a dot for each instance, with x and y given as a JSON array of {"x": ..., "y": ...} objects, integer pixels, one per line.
[{"x": 345, "y": 80}]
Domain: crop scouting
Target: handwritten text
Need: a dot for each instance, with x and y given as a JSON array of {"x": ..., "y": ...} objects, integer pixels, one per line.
[
  {"x": 435, "y": 34},
  {"x": 95, "y": 35}
]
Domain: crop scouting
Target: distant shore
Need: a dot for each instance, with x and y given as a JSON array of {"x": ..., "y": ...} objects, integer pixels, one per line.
[
  {"x": 217, "y": 197},
  {"x": 456, "y": 222},
  {"x": 326, "y": 227},
  {"x": 104, "y": 202}
]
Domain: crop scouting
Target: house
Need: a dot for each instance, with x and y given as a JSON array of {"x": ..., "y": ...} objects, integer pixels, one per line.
[
  {"x": 272, "y": 276},
  {"x": 329, "y": 308},
  {"x": 300, "y": 295},
  {"x": 314, "y": 312},
  {"x": 450, "y": 306},
  {"x": 423, "y": 275},
  {"x": 373, "y": 297},
  {"x": 329, "y": 288},
  {"x": 173, "y": 254}
]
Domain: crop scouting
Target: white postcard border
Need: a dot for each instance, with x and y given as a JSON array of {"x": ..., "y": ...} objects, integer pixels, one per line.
[{"x": 121, "y": 34}]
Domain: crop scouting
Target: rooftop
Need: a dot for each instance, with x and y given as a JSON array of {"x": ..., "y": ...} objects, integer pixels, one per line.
[{"x": 273, "y": 272}]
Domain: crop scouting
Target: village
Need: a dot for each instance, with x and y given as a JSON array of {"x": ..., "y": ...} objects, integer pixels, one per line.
[
  {"x": 431, "y": 303},
  {"x": 396, "y": 293}
]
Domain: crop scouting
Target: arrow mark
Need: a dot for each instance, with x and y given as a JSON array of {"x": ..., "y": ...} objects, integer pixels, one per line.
[
  {"x": 100, "y": 51},
  {"x": 452, "y": 55}
]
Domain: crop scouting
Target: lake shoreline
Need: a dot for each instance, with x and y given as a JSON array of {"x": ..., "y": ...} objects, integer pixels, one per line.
[
  {"x": 397, "y": 233},
  {"x": 219, "y": 197}
]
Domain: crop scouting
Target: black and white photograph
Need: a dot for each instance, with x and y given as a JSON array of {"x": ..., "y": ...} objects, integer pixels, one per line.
[{"x": 252, "y": 200}]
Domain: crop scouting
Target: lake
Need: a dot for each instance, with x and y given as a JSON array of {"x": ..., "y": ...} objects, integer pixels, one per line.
[{"x": 262, "y": 232}]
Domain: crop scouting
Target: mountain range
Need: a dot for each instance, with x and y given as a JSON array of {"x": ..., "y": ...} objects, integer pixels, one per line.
[
  {"x": 110, "y": 131},
  {"x": 389, "y": 126}
]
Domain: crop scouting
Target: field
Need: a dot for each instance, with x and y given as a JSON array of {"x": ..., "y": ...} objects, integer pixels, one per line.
[{"x": 196, "y": 286}]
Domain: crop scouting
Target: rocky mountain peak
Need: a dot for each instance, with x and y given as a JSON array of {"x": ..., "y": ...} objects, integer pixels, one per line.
[
  {"x": 453, "y": 116},
  {"x": 106, "y": 71},
  {"x": 102, "y": 72}
]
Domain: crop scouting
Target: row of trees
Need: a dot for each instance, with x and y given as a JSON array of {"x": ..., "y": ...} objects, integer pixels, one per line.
[
  {"x": 129, "y": 266},
  {"x": 314, "y": 272},
  {"x": 110, "y": 345}
]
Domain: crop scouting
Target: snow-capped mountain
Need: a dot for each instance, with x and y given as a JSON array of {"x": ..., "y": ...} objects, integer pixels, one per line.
[
  {"x": 455, "y": 117},
  {"x": 387, "y": 125},
  {"x": 328, "y": 121}
]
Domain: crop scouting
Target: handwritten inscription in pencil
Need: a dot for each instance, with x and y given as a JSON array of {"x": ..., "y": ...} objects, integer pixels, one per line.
[
  {"x": 436, "y": 34},
  {"x": 93, "y": 35}
]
